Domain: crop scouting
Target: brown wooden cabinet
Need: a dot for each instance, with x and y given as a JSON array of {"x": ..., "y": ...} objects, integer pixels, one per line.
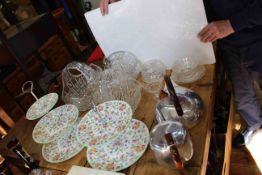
[
  {"x": 55, "y": 56},
  {"x": 13, "y": 83}
]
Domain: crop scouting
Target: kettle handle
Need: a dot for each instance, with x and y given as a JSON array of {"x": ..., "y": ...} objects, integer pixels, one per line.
[
  {"x": 172, "y": 93},
  {"x": 175, "y": 154}
]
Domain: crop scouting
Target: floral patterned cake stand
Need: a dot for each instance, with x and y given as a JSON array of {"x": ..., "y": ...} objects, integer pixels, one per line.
[
  {"x": 104, "y": 124},
  {"x": 123, "y": 152},
  {"x": 54, "y": 122},
  {"x": 40, "y": 107},
  {"x": 63, "y": 147}
]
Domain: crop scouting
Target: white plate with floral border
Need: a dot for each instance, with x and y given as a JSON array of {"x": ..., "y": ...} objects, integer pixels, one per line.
[
  {"x": 107, "y": 123},
  {"x": 123, "y": 152},
  {"x": 42, "y": 106},
  {"x": 54, "y": 122},
  {"x": 63, "y": 147}
]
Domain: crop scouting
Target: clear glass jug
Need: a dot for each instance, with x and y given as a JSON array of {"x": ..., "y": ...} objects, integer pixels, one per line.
[
  {"x": 80, "y": 81},
  {"x": 122, "y": 86}
]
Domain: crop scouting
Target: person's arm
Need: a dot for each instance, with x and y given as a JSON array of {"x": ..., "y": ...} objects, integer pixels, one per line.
[
  {"x": 215, "y": 30},
  {"x": 104, "y": 6},
  {"x": 249, "y": 17}
]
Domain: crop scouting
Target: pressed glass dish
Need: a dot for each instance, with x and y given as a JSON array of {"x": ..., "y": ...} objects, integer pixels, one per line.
[
  {"x": 124, "y": 61},
  {"x": 186, "y": 70}
]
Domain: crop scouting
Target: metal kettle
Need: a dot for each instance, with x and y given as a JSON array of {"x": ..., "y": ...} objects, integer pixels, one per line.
[{"x": 162, "y": 149}]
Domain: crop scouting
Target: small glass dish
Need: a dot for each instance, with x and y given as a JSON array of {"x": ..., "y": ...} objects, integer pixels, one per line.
[{"x": 186, "y": 70}]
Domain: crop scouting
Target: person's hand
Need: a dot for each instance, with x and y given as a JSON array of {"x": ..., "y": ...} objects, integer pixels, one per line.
[
  {"x": 215, "y": 30},
  {"x": 104, "y": 6}
]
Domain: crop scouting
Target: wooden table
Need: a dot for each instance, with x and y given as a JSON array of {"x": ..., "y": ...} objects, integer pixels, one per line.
[{"x": 145, "y": 112}]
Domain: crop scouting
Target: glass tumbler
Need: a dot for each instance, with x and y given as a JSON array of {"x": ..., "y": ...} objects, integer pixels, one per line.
[{"x": 152, "y": 76}]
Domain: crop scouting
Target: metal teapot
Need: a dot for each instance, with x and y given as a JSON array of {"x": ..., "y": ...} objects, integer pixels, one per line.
[{"x": 191, "y": 103}]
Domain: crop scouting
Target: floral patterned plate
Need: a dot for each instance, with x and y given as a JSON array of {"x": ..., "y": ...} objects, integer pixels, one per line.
[
  {"x": 63, "y": 147},
  {"x": 123, "y": 152},
  {"x": 107, "y": 123},
  {"x": 54, "y": 122},
  {"x": 42, "y": 106}
]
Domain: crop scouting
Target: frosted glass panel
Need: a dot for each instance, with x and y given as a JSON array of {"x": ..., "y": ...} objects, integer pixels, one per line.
[{"x": 153, "y": 29}]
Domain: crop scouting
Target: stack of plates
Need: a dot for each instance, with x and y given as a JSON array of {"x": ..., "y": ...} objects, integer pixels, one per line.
[
  {"x": 57, "y": 131},
  {"x": 114, "y": 140},
  {"x": 42, "y": 106},
  {"x": 54, "y": 123},
  {"x": 123, "y": 151},
  {"x": 63, "y": 147}
]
